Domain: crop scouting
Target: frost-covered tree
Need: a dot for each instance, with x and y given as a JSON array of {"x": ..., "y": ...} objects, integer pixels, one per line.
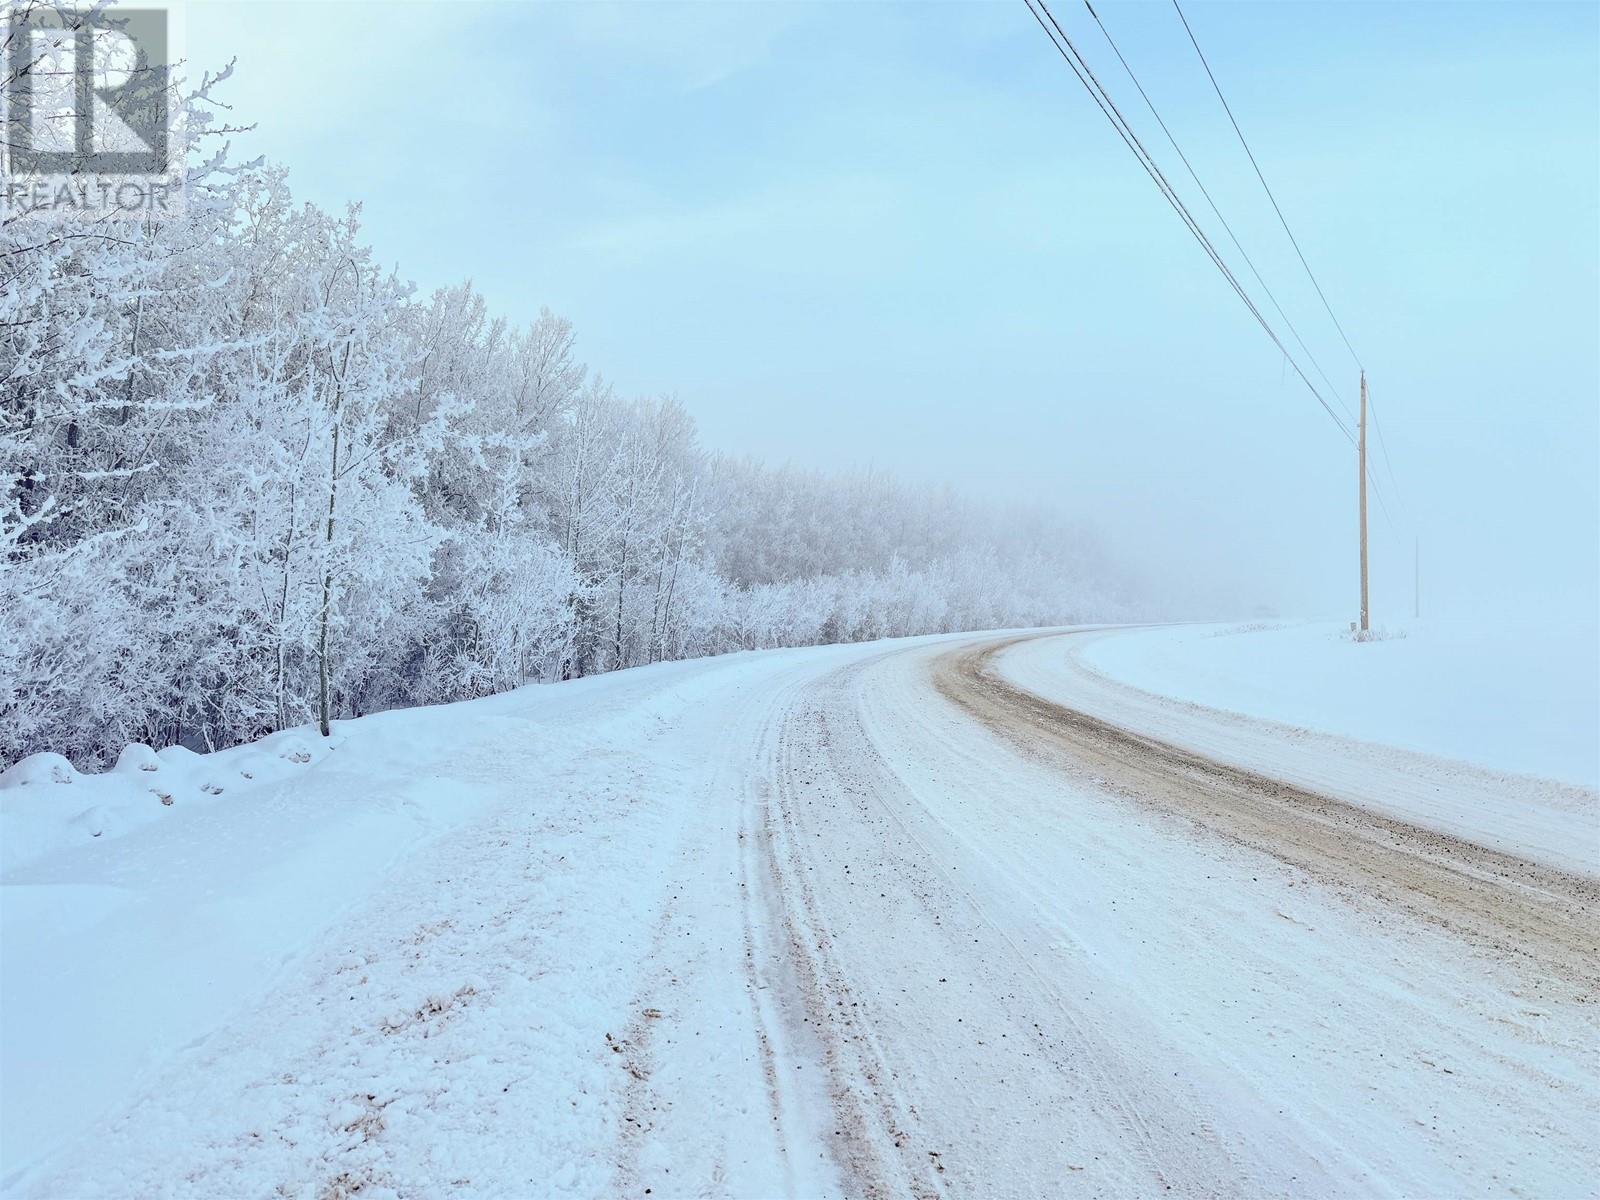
[{"x": 249, "y": 480}]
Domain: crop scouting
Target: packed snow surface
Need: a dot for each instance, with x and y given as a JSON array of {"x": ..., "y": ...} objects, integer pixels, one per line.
[
  {"x": 790, "y": 923},
  {"x": 1537, "y": 818}
]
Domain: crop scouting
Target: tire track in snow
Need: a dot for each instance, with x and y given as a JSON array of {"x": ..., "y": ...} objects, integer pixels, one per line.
[
  {"x": 1538, "y": 917},
  {"x": 968, "y": 1000},
  {"x": 835, "y": 792},
  {"x": 872, "y": 1148},
  {"x": 711, "y": 1107}
]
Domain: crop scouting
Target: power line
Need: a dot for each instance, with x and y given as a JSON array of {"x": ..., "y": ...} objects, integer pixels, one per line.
[
  {"x": 1069, "y": 53},
  {"x": 1383, "y": 445},
  {"x": 1377, "y": 424},
  {"x": 1275, "y": 208},
  {"x": 1150, "y": 104},
  {"x": 1080, "y": 67}
]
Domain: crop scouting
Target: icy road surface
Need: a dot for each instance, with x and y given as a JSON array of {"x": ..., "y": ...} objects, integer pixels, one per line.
[{"x": 945, "y": 917}]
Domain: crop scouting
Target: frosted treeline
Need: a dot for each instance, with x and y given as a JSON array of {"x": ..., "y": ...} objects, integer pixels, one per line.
[{"x": 250, "y": 479}]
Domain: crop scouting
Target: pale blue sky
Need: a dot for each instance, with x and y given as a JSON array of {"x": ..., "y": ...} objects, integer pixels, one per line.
[{"x": 901, "y": 234}]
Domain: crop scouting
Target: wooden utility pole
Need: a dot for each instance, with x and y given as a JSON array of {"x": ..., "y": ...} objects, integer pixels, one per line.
[{"x": 1361, "y": 456}]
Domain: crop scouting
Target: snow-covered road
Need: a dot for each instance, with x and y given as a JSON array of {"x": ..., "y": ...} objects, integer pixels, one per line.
[{"x": 919, "y": 918}]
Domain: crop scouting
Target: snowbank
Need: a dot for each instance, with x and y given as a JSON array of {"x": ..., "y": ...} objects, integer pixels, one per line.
[
  {"x": 1520, "y": 699},
  {"x": 140, "y": 907},
  {"x": 46, "y": 805},
  {"x": 125, "y": 952}
]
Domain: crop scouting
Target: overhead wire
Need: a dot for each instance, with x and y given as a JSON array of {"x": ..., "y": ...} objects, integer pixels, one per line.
[
  {"x": 1383, "y": 446},
  {"x": 1277, "y": 208},
  {"x": 1069, "y": 52},
  {"x": 1204, "y": 191},
  {"x": 1284, "y": 221},
  {"x": 1080, "y": 68}
]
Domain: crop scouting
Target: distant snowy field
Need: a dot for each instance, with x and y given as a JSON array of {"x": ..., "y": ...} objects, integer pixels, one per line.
[{"x": 1524, "y": 699}]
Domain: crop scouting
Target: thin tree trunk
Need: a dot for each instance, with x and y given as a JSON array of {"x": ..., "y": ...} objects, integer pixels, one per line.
[
  {"x": 327, "y": 593},
  {"x": 622, "y": 583},
  {"x": 327, "y": 572},
  {"x": 283, "y": 605}
]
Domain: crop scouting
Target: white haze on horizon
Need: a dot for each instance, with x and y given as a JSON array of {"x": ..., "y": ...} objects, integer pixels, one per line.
[{"x": 902, "y": 236}]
